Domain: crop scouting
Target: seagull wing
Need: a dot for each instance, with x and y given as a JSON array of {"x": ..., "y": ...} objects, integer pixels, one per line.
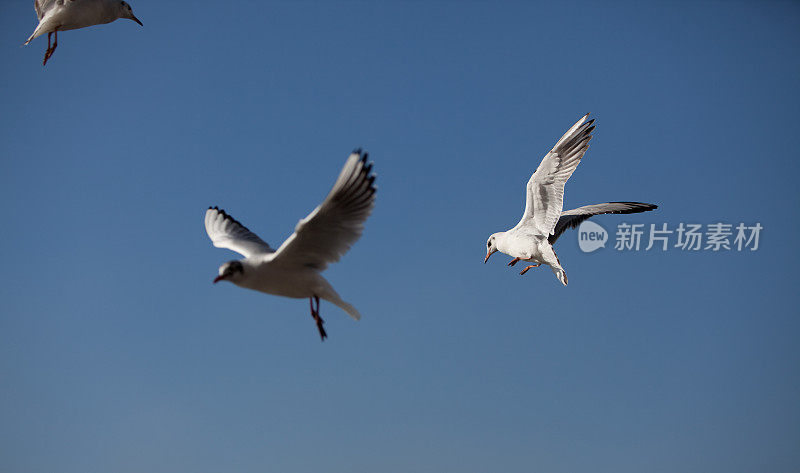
[
  {"x": 545, "y": 191},
  {"x": 573, "y": 218},
  {"x": 227, "y": 232},
  {"x": 328, "y": 232},
  {"x": 42, "y": 7}
]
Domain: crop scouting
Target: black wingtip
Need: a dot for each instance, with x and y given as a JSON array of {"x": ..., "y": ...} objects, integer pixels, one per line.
[
  {"x": 638, "y": 206},
  {"x": 226, "y": 216},
  {"x": 362, "y": 155}
]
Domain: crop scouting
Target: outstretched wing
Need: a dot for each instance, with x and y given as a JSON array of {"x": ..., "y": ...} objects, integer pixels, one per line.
[
  {"x": 573, "y": 218},
  {"x": 545, "y": 190},
  {"x": 328, "y": 232},
  {"x": 226, "y": 232}
]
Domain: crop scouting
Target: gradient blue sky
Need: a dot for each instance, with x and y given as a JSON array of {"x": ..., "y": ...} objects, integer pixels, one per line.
[{"x": 118, "y": 354}]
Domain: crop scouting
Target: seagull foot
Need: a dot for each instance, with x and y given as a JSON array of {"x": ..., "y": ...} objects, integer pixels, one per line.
[
  {"x": 529, "y": 267},
  {"x": 513, "y": 262},
  {"x": 319, "y": 322},
  {"x": 50, "y": 50},
  {"x": 317, "y": 318},
  {"x": 48, "y": 54}
]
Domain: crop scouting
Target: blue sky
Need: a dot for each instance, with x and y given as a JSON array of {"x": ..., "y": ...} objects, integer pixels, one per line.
[{"x": 118, "y": 354}]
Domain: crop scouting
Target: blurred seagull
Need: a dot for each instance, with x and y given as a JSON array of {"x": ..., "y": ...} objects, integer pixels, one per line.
[
  {"x": 60, "y": 15},
  {"x": 293, "y": 270},
  {"x": 543, "y": 221}
]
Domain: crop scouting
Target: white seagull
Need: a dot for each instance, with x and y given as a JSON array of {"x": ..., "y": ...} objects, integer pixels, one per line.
[
  {"x": 60, "y": 15},
  {"x": 543, "y": 221},
  {"x": 293, "y": 270}
]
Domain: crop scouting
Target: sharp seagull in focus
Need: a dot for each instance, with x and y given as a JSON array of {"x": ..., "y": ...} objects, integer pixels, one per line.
[
  {"x": 293, "y": 270},
  {"x": 543, "y": 221},
  {"x": 61, "y": 15}
]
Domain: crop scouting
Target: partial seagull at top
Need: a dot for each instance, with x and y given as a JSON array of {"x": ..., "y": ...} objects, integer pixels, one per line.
[
  {"x": 543, "y": 221},
  {"x": 60, "y": 15},
  {"x": 293, "y": 270}
]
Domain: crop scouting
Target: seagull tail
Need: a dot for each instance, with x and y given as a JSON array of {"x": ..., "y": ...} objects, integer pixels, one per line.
[
  {"x": 31, "y": 37},
  {"x": 560, "y": 274},
  {"x": 326, "y": 292},
  {"x": 555, "y": 265},
  {"x": 348, "y": 308},
  {"x": 41, "y": 29}
]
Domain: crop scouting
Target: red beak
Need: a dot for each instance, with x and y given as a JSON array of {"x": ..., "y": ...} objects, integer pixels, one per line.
[
  {"x": 218, "y": 279},
  {"x": 487, "y": 257}
]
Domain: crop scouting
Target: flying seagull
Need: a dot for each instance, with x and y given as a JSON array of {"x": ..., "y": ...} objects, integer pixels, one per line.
[
  {"x": 293, "y": 270},
  {"x": 60, "y": 15},
  {"x": 543, "y": 221}
]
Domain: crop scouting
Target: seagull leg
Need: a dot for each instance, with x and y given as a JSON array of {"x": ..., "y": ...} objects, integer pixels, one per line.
[
  {"x": 513, "y": 262},
  {"x": 47, "y": 52},
  {"x": 529, "y": 267},
  {"x": 317, "y": 318},
  {"x": 50, "y": 50}
]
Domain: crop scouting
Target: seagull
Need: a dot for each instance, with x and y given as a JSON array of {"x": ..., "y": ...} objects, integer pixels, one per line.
[
  {"x": 543, "y": 221},
  {"x": 293, "y": 270},
  {"x": 60, "y": 15}
]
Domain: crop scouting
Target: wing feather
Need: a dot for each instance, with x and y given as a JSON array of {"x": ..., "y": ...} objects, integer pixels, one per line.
[
  {"x": 545, "y": 189},
  {"x": 42, "y": 6},
  {"x": 573, "y": 218},
  {"x": 331, "y": 229},
  {"x": 226, "y": 232}
]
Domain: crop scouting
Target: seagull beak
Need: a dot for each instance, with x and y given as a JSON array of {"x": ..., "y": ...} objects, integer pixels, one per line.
[
  {"x": 136, "y": 20},
  {"x": 218, "y": 278},
  {"x": 487, "y": 257}
]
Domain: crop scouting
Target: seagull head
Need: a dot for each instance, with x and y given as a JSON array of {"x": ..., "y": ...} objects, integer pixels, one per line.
[
  {"x": 491, "y": 246},
  {"x": 125, "y": 11},
  {"x": 232, "y": 271}
]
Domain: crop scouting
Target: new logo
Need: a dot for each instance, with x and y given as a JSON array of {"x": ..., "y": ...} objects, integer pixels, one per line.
[{"x": 591, "y": 236}]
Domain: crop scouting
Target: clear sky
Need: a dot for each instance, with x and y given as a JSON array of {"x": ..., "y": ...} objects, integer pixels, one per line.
[{"x": 118, "y": 354}]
